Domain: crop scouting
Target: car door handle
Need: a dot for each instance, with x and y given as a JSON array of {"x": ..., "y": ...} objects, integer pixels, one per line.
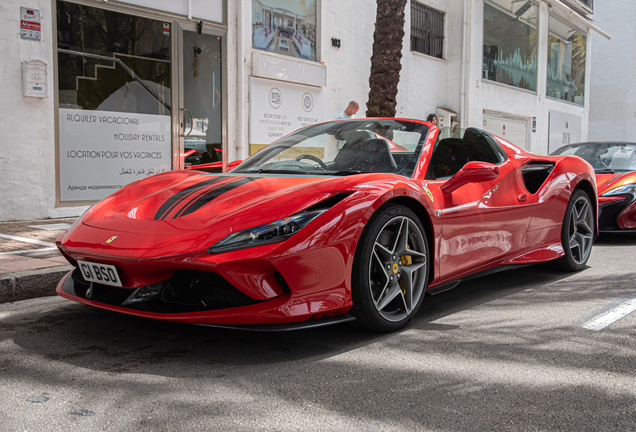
[{"x": 522, "y": 197}]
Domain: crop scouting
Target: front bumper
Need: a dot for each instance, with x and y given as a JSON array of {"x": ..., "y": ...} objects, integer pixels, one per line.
[
  {"x": 618, "y": 216},
  {"x": 273, "y": 284},
  {"x": 280, "y": 310}
]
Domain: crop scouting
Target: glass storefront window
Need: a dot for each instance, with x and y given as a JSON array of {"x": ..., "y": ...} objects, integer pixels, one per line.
[
  {"x": 285, "y": 27},
  {"x": 566, "y": 62},
  {"x": 112, "y": 61},
  {"x": 510, "y": 43},
  {"x": 114, "y": 88},
  {"x": 202, "y": 98}
]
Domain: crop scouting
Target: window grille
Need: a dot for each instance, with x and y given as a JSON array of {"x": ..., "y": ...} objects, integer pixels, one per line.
[{"x": 427, "y": 30}]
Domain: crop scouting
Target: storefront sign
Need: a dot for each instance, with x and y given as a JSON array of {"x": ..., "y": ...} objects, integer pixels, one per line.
[
  {"x": 278, "y": 108},
  {"x": 30, "y": 24},
  {"x": 101, "y": 151}
]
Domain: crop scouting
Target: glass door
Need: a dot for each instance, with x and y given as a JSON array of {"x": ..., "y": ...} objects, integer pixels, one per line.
[
  {"x": 200, "y": 113},
  {"x": 114, "y": 79}
]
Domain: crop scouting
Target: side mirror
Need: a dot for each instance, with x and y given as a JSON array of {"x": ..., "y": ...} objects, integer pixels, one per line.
[
  {"x": 472, "y": 172},
  {"x": 233, "y": 164}
]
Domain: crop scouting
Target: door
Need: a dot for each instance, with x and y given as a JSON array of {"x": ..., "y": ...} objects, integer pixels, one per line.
[
  {"x": 481, "y": 222},
  {"x": 511, "y": 129},
  {"x": 201, "y": 131}
]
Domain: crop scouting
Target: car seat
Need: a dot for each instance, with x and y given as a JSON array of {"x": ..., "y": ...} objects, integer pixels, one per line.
[{"x": 366, "y": 155}]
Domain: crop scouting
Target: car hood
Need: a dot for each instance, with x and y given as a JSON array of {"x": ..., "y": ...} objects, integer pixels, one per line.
[
  {"x": 606, "y": 182},
  {"x": 215, "y": 205}
]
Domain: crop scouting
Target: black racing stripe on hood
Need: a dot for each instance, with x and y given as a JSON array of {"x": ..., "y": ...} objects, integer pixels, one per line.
[
  {"x": 182, "y": 195},
  {"x": 195, "y": 195},
  {"x": 205, "y": 198}
]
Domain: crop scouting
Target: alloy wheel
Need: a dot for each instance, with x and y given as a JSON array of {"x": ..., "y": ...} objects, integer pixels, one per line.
[
  {"x": 397, "y": 270},
  {"x": 581, "y": 230}
]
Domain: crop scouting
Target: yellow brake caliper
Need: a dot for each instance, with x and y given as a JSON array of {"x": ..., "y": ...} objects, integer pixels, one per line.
[{"x": 406, "y": 260}]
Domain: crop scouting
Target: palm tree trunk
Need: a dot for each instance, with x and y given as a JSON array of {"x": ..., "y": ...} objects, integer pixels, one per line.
[{"x": 386, "y": 58}]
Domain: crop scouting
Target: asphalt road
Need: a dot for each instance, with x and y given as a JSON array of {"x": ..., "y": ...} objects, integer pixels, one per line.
[{"x": 504, "y": 352}]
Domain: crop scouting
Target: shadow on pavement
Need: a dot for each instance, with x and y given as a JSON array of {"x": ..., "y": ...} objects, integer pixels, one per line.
[
  {"x": 496, "y": 375},
  {"x": 618, "y": 239},
  {"x": 93, "y": 338}
]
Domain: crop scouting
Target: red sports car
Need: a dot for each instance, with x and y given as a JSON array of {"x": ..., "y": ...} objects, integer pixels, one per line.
[
  {"x": 615, "y": 167},
  {"x": 345, "y": 220}
]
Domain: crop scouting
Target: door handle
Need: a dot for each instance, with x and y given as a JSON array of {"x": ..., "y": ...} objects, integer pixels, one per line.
[
  {"x": 522, "y": 197},
  {"x": 191, "y": 123}
]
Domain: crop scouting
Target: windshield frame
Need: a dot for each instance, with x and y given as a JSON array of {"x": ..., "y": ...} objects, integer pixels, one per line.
[
  {"x": 341, "y": 133},
  {"x": 600, "y": 164}
]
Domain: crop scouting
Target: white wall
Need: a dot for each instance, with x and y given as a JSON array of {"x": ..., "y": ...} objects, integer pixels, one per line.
[
  {"x": 348, "y": 67},
  {"x": 484, "y": 95},
  {"x": 27, "y": 141},
  {"x": 424, "y": 80},
  {"x": 613, "y": 94},
  {"x": 427, "y": 82}
]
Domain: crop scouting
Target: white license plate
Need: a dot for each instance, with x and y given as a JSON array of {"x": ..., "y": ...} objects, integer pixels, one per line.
[{"x": 99, "y": 273}]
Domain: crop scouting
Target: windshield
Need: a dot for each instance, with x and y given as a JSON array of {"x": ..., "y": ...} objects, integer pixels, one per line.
[
  {"x": 343, "y": 148},
  {"x": 604, "y": 157}
]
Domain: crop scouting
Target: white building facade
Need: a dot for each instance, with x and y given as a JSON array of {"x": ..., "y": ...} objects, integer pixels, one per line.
[
  {"x": 613, "y": 111},
  {"x": 102, "y": 93}
]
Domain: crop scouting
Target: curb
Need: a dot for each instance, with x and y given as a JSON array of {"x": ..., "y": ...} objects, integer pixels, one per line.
[{"x": 28, "y": 284}]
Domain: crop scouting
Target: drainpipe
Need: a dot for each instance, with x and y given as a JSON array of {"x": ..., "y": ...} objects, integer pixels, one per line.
[
  {"x": 240, "y": 82},
  {"x": 462, "y": 92}
]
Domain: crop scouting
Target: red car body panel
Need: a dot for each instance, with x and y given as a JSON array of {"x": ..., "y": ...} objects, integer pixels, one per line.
[
  {"x": 161, "y": 229},
  {"x": 615, "y": 164},
  {"x": 605, "y": 182}
]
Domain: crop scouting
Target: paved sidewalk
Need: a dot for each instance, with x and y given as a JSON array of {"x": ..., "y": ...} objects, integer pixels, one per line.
[{"x": 30, "y": 264}]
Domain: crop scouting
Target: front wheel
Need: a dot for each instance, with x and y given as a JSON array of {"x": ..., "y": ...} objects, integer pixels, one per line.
[
  {"x": 390, "y": 270},
  {"x": 577, "y": 232}
]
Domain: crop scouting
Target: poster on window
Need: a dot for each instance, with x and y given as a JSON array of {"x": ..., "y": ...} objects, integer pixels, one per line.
[
  {"x": 286, "y": 27},
  {"x": 278, "y": 108},
  {"x": 101, "y": 151}
]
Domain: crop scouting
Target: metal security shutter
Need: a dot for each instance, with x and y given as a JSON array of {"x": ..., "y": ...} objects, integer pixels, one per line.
[{"x": 511, "y": 129}]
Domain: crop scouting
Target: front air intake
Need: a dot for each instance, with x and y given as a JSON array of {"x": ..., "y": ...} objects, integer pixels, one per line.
[
  {"x": 608, "y": 219},
  {"x": 203, "y": 289}
]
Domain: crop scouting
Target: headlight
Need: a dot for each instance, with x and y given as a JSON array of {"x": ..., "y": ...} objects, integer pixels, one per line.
[
  {"x": 273, "y": 232},
  {"x": 622, "y": 190}
]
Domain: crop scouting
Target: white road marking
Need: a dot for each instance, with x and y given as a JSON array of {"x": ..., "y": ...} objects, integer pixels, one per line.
[
  {"x": 27, "y": 240},
  {"x": 52, "y": 227},
  {"x": 611, "y": 316},
  {"x": 46, "y": 249}
]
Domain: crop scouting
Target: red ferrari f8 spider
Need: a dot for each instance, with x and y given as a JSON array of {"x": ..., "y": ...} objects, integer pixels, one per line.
[
  {"x": 615, "y": 167},
  {"x": 344, "y": 220}
]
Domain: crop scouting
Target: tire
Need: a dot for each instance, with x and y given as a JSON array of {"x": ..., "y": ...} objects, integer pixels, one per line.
[
  {"x": 390, "y": 270},
  {"x": 577, "y": 233}
]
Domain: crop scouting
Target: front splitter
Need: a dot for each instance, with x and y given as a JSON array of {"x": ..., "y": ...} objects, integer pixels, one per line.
[{"x": 322, "y": 322}]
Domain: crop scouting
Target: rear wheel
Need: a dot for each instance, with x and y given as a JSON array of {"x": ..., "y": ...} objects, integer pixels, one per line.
[
  {"x": 577, "y": 232},
  {"x": 390, "y": 270}
]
